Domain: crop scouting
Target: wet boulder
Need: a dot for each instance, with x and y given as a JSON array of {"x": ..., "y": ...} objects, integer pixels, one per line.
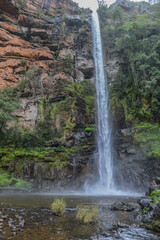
[
  {"x": 118, "y": 206},
  {"x": 145, "y": 202},
  {"x": 147, "y": 218}
]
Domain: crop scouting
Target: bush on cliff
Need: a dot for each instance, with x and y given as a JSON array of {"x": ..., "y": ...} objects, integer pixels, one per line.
[{"x": 8, "y": 104}]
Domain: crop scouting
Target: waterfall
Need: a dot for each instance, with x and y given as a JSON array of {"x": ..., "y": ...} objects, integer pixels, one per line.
[{"x": 104, "y": 184}]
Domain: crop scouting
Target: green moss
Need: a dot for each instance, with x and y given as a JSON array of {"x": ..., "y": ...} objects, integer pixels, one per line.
[
  {"x": 5, "y": 179},
  {"x": 59, "y": 156},
  {"x": 24, "y": 154},
  {"x": 154, "y": 226},
  {"x": 90, "y": 129},
  {"x": 22, "y": 184},
  {"x": 63, "y": 105},
  {"x": 155, "y": 196},
  {"x": 148, "y": 134},
  {"x": 83, "y": 92},
  {"x": 8, "y": 180},
  {"x": 145, "y": 210}
]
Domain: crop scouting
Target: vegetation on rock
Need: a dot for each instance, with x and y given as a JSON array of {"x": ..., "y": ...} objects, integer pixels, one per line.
[
  {"x": 135, "y": 40},
  {"x": 155, "y": 195},
  {"x": 148, "y": 134},
  {"x": 20, "y": 145},
  {"x": 8, "y": 180}
]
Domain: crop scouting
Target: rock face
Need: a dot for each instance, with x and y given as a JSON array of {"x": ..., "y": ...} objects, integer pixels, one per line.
[
  {"x": 135, "y": 164},
  {"x": 46, "y": 46},
  {"x": 34, "y": 33},
  {"x": 146, "y": 211},
  {"x": 135, "y": 169}
]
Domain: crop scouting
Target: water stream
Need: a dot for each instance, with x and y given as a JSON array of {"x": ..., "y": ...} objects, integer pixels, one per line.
[{"x": 105, "y": 183}]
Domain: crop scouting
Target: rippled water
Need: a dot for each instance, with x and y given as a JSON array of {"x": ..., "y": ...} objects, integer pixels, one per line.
[{"x": 41, "y": 224}]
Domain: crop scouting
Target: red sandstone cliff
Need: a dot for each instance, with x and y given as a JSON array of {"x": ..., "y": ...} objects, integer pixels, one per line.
[{"x": 32, "y": 31}]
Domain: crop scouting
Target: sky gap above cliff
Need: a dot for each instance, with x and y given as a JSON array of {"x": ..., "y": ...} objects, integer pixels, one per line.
[{"x": 93, "y": 4}]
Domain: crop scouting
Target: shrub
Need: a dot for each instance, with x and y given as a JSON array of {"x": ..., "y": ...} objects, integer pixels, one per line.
[
  {"x": 87, "y": 214},
  {"x": 8, "y": 104},
  {"x": 155, "y": 196},
  {"x": 58, "y": 206}
]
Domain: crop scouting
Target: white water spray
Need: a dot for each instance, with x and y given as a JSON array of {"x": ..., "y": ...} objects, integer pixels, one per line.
[{"x": 105, "y": 183}]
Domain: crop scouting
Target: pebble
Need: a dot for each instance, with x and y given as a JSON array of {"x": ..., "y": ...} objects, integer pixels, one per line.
[
  {"x": 21, "y": 224},
  {"x": 122, "y": 225}
]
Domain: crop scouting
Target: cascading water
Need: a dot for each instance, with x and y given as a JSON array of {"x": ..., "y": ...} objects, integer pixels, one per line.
[{"x": 105, "y": 183}]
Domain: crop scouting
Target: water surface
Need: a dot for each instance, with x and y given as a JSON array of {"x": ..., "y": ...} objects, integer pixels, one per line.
[{"x": 41, "y": 224}]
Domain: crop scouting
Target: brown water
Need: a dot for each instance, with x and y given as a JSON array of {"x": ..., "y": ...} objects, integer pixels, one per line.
[{"x": 40, "y": 223}]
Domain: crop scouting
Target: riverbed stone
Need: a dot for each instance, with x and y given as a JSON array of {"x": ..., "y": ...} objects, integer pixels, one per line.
[
  {"x": 147, "y": 218},
  {"x": 118, "y": 206},
  {"x": 145, "y": 202}
]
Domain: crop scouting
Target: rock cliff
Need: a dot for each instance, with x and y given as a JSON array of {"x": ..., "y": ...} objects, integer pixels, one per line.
[
  {"x": 135, "y": 141},
  {"x": 46, "y": 58}
]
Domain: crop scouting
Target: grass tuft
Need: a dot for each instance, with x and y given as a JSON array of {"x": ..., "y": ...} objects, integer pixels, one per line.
[
  {"x": 87, "y": 214},
  {"x": 58, "y": 206}
]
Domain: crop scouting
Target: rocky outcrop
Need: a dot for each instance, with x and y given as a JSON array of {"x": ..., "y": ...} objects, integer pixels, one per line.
[
  {"x": 49, "y": 37},
  {"x": 135, "y": 169},
  {"x": 138, "y": 8},
  {"x": 145, "y": 212}
]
